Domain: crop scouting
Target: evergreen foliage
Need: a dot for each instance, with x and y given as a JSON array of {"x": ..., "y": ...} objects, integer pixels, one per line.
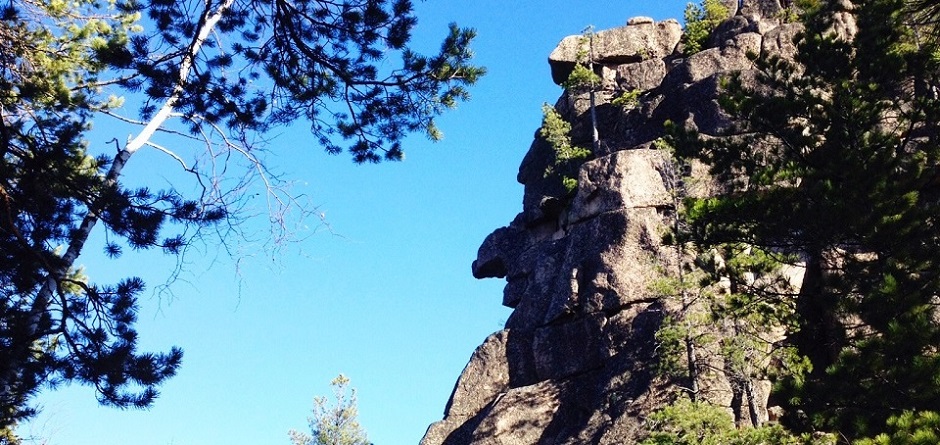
[
  {"x": 581, "y": 79},
  {"x": 684, "y": 331},
  {"x": 909, "y": 428},
  {"x": 627, "y": 99},
  {"x": 584, "y": 79},
  {"x": 833, "y": 168},
  {"x": 697, "y": 423},
  {"x": 229, "y": 71},
  {"x": 557, "y": 132},
  {"x": 925, "y": 14},
  {"x": 47, "y": 182},
  {"x": 700, "y": 21},
  {"x": 713, "y": 324},
  {"x": 334, "y": 425}
]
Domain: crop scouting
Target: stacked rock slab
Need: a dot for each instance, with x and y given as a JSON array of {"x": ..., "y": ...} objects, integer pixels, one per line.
[{"x": 575, "y": 363}]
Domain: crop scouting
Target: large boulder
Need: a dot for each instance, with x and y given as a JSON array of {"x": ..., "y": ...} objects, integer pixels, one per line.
[
  {"x": 731, "y": 57},
  {"x": 640, "y": 40},
  {"x": 624, "y": 179},
  {"x": 642, "y": 76},
  {"x": 762, "y": 8}
]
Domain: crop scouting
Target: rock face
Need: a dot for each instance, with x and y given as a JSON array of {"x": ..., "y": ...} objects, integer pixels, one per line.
[
  {"x": 641, "y": 39},
  {"x": 575, "y": 363}
]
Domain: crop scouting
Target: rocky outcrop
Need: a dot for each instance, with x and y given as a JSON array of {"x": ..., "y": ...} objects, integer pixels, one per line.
[
  {"x": 641, "y": 39},
  {"x": 575, "y": 362}
]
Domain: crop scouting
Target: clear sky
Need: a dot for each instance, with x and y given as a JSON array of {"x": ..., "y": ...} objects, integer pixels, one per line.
[{"x": 385, "y": 297}]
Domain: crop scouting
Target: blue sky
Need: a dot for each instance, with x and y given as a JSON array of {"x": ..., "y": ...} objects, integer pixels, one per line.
[{"x": 385, "y": 296}]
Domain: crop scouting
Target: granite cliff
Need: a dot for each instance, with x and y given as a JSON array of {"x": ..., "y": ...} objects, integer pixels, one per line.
[{"x": 575, "y": 363}]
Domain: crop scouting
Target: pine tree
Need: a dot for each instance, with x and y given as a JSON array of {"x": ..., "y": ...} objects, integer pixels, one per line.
[
  {"x": 713, "y": 324},
  {"x": 217, "y": 74},
  {"x": 700, "y": 21},
  {"x": 334, "y": 425},
  {"x": 835, "y": 162}
]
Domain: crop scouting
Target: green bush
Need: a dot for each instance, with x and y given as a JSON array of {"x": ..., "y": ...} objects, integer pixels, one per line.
[
  {"x": 628, "y": 99},
  {"x": 909, "y": 428},
  {"x": 698, "y": 423},
  {"x": 581, "y": 78}
]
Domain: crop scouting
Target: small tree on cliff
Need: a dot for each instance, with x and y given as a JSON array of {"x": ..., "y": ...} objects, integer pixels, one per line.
[
  {"x": 567, "y": 156},
  {"x": 700, "y": 21},
  {"x": 211, "y": 76},
  {"x": 835, "y": 162},
  {"x": 683, "y": 332},
  {"x": 583, "y": 78}
]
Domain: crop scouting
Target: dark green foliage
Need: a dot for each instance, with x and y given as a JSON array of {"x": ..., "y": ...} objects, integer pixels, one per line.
[
  {"x": 719, "y": 312},
  {"x": 627, "y": 99},
  {"x": 320, "y": 58},
  {"x": 697, "y": 423},
  {"x": 687, "y": 423},
  {"x": 581, "y": 79},
  {"x": 835, "y": 163},
  {"x": 684, "y": 330},
  {"x": 925, "y": 16},
  {"x": 79, "y": 331},
  {"x": 909, "y": 428},
  {"x": 266, "y": 64}
]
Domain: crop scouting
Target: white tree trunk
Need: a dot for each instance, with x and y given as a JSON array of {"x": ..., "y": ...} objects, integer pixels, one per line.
[
  {"x": 43, "y": 298},
  {"x": 595, "y": 135}
]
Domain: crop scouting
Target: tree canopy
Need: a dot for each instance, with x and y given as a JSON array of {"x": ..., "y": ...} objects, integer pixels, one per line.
[{"x": 215, "y": 75}]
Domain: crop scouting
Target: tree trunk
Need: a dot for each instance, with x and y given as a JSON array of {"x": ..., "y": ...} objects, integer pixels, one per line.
[
  {"x": 753, "y": 409},
  {"x": 596, "y": 141},
  {"x": 820, "y": 335},
  {"x": 693, "y": 373},
  {"x": 737, "y": 404}
]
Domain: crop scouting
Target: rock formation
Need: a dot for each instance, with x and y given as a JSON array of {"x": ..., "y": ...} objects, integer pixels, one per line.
[{"x": 575, "y": 363}]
